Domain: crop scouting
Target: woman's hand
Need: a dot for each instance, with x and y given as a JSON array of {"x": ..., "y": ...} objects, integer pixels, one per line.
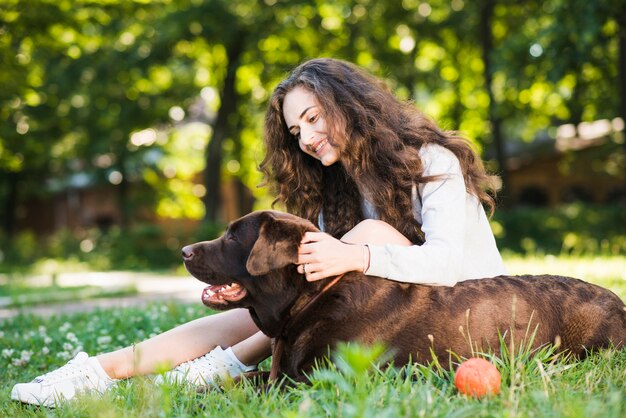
[{"x": 320, "y": 256}]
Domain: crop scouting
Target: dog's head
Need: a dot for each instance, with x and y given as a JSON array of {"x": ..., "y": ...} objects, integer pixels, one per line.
[{"x": 252, "y": 266}]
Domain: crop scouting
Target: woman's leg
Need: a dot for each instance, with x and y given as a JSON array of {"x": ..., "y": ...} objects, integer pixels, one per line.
[
  {"x": 253, "y": 350},
  {"x": 189, "y": 341},
  {"x": 372, "y": 231}
]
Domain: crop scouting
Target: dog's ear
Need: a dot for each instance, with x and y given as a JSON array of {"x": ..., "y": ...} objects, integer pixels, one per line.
[{"x": 277, "y": 245}]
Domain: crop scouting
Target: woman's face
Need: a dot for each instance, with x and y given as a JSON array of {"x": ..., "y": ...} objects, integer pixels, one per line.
[{"x": 306, "y": 123}]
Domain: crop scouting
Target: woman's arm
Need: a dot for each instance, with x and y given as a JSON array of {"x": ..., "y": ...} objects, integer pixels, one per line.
[{"x": 326, "y": 256}]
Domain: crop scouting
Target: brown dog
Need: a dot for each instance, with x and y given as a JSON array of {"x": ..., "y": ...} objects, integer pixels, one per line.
[{"x": 252, "y": 266}]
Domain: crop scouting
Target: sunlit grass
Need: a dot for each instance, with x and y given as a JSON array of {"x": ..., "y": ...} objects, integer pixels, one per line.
[
  {"x": 542, "y": 384},
  {"x": 20, "y": 296},
  {"x": 606, "y": 271}
]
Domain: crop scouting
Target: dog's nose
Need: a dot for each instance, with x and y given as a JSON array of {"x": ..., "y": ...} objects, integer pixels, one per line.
[{"x": 187, "y": 252}]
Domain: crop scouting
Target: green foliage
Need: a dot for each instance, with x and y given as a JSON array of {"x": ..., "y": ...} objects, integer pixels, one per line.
[
  {"x": 142, "y": 247},
  {"x": 82, "y": 79},
  {"x": 575, "y": 230}
]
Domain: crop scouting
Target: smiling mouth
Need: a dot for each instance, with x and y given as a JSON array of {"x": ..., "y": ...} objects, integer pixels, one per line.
[
  {"x": 223, "y": 294},
  {"x": 319, "y": 145}
]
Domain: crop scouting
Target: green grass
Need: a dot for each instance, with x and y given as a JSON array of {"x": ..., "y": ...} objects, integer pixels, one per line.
[
  {"x": 606, "y": 271},
  {"x": 539, "y": 384},
  {"x": 20, "y": 295}
]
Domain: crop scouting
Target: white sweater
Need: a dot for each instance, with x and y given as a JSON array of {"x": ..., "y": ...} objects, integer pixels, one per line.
[{"x": 459, "y": 244}]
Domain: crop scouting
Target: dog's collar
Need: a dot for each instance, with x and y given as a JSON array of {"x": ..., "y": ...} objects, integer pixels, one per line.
[{"x": 277, "y": 349}]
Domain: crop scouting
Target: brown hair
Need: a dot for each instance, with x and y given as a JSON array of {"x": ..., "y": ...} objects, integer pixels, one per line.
[{"x": 378, "y": 157}]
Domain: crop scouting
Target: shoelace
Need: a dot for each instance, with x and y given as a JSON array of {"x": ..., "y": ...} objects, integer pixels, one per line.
[
  {"x": 64, "y": 372},
  {"x": 202, "y": 365}
]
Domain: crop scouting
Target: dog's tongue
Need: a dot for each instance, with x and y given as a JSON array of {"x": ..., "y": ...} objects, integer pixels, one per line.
[{"x": 222, "y": 294}]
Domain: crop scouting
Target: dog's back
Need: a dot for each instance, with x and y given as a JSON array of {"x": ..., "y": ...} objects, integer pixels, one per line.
[
  {"x": 416, "y": 321},
  {"x": 534, "y": 310}
]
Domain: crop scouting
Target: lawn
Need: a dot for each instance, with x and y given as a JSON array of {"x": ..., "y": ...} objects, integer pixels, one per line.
[
  {"x": 543, "y": 384},
  {"x": 20, "y": 295}
]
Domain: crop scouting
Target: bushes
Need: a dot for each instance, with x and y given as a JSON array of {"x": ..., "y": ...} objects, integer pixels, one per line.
[
  {"x": 573, "y": 229},
  {"x": 140, "y": 247}
]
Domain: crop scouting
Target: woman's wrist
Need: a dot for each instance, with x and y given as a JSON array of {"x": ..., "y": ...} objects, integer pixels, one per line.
[
  {"x": 360, "y": 258},
  {"x": 366, "y": 258}
]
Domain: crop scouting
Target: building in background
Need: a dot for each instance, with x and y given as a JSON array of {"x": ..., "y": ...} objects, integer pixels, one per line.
[{"x": 583, "y": 163}]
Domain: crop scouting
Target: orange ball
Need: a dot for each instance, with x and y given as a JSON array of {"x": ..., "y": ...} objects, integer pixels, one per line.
[{"x": 477, "y": 377}]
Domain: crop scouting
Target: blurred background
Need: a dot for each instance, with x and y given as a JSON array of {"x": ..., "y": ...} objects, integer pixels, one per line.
[{"x": 132, "y": 127}]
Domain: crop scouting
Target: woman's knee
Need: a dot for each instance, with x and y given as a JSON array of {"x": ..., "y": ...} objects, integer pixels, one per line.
[{"x": 376, "y": 232}]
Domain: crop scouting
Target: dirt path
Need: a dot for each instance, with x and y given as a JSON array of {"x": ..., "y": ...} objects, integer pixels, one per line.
[{"x": 150, "y": 287}]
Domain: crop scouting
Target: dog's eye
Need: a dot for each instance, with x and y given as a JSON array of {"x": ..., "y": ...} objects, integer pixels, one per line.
[{"x": 231, "y": 237}]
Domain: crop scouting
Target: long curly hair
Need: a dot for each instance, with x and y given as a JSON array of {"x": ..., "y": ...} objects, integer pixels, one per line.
[{"x": 378, "y": 137}]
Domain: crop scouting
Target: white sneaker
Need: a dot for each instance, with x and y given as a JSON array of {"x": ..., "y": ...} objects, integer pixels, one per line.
[
  {"x": 218, "y": 364},
  {"x": 81, "y": 374}
]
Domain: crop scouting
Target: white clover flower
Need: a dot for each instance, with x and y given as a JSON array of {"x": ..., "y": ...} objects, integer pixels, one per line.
[
  {"x": 42, "y": 329},
  {"x": 67, "y": 346},
  {"x": 7, "y": 352},
  {"x": 26, "y": 355},
  {"x": 71, "y": 337},
  {"x": 65, "y": 327},
  {"x": 47, "y": 340},
  {"x": 1, "y": 334},
  {"x": 45, "y": 351},
  {"x": 105, "y": 339}
]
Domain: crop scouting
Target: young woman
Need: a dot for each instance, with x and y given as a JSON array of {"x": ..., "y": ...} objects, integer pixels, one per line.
[{"x": 396, "y": 197}]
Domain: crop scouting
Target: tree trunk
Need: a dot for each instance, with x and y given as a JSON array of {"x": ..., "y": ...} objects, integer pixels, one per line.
[
  {"x": 243, "y": 200},
  {"x": 122, "y": 189},
  {"x": 457, "y": 107},
  {"x": 222, "y": 128},
  {"x": 621, "y": 71},
  {"x": 486, "y": 38},
  {"x": 10, "y": 206}
]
